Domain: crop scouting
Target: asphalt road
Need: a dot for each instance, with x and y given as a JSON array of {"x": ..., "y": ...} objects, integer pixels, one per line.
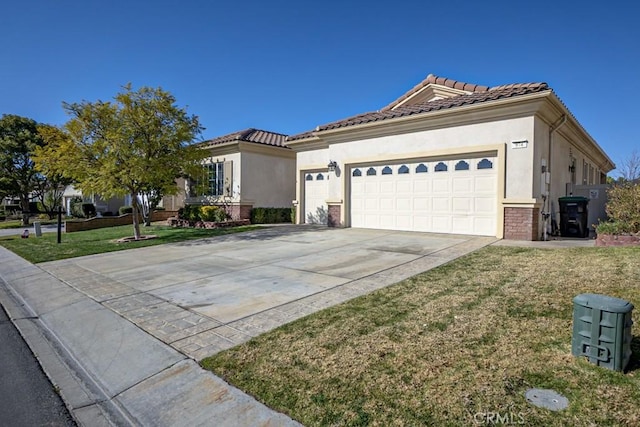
[{"x": 27, "y": 398}]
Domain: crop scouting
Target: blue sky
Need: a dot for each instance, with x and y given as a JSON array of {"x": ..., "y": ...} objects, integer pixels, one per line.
[{"x": 288, "y": 66}]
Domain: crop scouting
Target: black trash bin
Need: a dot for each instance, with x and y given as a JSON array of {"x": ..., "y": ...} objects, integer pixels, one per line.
[{"x": 574, "y": 216}]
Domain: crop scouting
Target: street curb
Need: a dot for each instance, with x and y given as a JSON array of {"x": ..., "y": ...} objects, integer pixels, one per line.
[{"x": 87, "y": 404}]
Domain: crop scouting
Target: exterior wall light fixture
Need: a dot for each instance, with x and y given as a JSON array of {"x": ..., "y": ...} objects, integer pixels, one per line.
[{"x": 332, "y": 166}]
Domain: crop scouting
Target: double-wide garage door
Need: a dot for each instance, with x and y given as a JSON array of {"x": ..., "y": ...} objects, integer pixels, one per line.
[{"x": 443, "y": 196}]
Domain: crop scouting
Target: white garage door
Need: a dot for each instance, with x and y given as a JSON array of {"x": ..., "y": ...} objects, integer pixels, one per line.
[
  {"x": 449, "y": 196},
  {"x": 316, "y": 192}
]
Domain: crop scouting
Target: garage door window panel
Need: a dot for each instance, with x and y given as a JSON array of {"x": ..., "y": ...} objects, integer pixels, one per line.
[
  {"x": 462, "y": 166},
  {"x": 441, "y": 167},
  {"x": 485, "y": 164}
]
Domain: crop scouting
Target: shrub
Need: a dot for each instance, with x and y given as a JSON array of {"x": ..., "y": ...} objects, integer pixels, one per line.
[
  {"x": 107, "y": 213},
  {"x": 89, "y": 210},
  {"x": 270, "y": 215},
  {"x": 76, "y": 207},
  {"x": 123, "y": 210},
  {"x": 623, "y": 209},
  {"x": 12, "y": 209},
  {"x": 33, "y": 208},
  {"x": 209, "y": 213},
  {"x": 191, "y": 213}
]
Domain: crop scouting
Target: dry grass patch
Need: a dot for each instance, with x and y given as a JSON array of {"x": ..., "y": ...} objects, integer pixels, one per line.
[{"x": 467, "y": 338}]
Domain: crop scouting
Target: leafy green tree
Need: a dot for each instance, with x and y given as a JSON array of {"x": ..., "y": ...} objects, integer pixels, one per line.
[
  {"x": 19, "y": 137},
  {"x": 49, "y": 184},
  {"x": 138, "y": 143}
]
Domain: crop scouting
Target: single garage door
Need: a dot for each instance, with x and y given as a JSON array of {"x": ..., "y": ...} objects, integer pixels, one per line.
[
  {"x": 443, "y": 196},
  {"x": 316, "y": 192}
]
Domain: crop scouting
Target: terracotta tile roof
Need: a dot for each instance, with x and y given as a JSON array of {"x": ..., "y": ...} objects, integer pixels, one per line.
[
  {"x": 442, "y": 81},
  {"x": 257, "y": 136},
  {"x": 481, "y": 94}
]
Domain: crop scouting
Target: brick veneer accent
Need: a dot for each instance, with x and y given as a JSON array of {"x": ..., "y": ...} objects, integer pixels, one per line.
[
  {"x": 112, "y": 221},
  {"x": 334, "y": 216},
  {"x": 239, "y": 212},
  {"x": 521, "y": 223}
]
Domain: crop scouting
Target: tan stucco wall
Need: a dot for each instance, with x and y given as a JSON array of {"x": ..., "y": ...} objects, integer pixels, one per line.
[
  {"x": 268, "y": 181},
  {"x": 565, "y": 145}
]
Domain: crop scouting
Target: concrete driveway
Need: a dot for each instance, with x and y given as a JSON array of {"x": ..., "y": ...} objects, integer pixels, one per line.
[{"x": 204, "y": 296}]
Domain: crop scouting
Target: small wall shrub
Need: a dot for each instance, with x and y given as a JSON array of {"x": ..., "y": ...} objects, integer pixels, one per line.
[
  {"x": 123, "y": 210},
  {"x": 270, "y": 215}
]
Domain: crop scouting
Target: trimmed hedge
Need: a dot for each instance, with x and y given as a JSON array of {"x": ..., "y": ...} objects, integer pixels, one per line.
[
  {"x": 270, "y": 215},
  {"x": 123, "y": 210}
]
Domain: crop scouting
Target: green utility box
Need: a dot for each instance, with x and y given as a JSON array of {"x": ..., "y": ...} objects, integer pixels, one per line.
[
  {"x": 574, "y": 216},
  {"x": 602, "y": 330}
]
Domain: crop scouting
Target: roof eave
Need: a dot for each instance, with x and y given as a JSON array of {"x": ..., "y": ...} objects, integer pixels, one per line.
[
  {"x": 441, "y": 118},
  {"x": 607, "y": 164}
]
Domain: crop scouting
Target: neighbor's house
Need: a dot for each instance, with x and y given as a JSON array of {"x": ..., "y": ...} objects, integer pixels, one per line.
[
  {"x": 110, "y": 206},
  {"x": 448, "y": 157},
  {"x": 243, "y": 170}
]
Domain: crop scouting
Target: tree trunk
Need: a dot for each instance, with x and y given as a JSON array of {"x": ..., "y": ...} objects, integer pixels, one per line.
[
  {"x": 135, "y": 213},
  {"x": 24, "y": 205}
]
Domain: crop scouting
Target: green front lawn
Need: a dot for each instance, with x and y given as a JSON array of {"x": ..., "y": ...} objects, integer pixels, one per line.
[
  {"x": 46, "y": 248},
  {"x": 458, "y": 345}
]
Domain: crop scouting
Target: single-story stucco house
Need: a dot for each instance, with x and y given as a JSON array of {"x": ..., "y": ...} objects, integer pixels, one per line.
[
  {"x": 110, "y": 206},
  {"x": 446, "y": 157},
  {"x": 244, "y": 170}
]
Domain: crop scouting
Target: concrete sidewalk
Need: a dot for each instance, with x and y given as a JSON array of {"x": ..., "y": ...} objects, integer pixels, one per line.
[{"x": 122, "y": 345}]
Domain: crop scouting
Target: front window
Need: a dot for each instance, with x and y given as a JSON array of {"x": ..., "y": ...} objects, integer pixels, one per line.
[
  {"x": 215, "y": 175},
  {"x": 211, "y": 182}
]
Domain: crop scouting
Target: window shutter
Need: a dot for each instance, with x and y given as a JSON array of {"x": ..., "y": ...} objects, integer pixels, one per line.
[{"x": 228, "y": 178}]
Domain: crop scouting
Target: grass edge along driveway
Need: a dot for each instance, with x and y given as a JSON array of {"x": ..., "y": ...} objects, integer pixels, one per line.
[
  {"x": 45, "y": 248},
  {"x": 451, "y": 346}
]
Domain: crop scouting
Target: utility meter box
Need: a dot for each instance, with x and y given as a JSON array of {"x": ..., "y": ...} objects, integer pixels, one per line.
[{"x": 602, "y": 330}]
